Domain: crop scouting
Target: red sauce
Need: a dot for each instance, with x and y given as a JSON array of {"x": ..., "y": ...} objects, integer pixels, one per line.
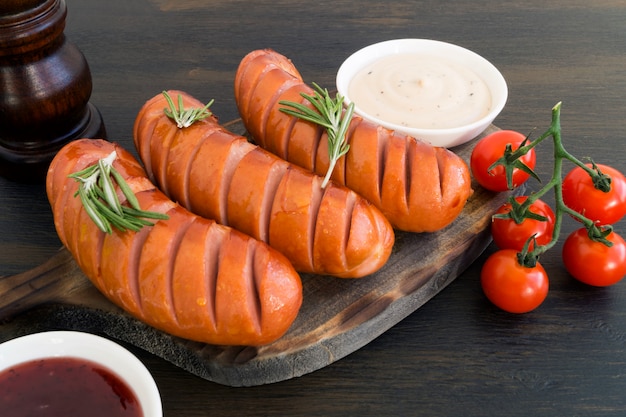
[{"x": 65, "y": 387}]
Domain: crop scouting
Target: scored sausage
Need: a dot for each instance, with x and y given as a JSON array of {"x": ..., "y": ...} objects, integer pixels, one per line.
[
  {"x": 418, "y": 187},
  {"x": 220, "y": 175},
  {"x": 188, "y": 276}
]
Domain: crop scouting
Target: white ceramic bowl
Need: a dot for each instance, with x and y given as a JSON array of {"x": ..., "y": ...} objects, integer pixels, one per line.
[
  {"x": 446, "y": 137},
  {"x": 89, "y": 347}
]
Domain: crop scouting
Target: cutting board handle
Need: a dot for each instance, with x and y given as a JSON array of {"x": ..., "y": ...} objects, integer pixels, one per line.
[{"x": 54, "y": 281}]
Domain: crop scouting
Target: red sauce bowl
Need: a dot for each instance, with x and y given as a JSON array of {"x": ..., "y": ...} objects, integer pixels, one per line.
[{"x": 66, "y": 372}]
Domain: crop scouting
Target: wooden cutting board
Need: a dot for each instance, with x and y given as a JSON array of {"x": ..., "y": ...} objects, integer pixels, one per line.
[{"x": 337, "y": 317}]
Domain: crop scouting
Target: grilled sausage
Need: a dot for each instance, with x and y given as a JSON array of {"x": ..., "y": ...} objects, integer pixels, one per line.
[
  {"x": 188, "y": 276},
  {"x": 221, "y": 175},
  {"x": 418, "y": 187}
]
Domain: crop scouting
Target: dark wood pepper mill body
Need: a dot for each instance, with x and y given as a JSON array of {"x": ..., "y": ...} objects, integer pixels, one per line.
[{"x": 45, "y": 86}]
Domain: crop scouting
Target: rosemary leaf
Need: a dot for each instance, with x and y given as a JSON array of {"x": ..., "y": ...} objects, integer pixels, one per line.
[
  {"x": 119, "y": 221},
  {"x": 185, "y": 118},
  {"x": 144, "y": 214},
  {"x": 98, "y": 195},
  {"x": 106, "y": 185},
  {"x": 131, "y": 198},
  {"x": 87, "y": 172},
  {"x": 330, "y": 115},
  {"x": 305, "y": 113},
  {"x": 88, "y": 203}
]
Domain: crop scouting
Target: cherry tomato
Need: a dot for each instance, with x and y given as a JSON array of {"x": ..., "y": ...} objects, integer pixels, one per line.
[
  {"x": 511, "y": 286},
  {"x": 508, "y": 234},
  {"x": 580, "y": 195},
  {"x": 491, "y": 148},
  {"x": 593, "y": 262}
]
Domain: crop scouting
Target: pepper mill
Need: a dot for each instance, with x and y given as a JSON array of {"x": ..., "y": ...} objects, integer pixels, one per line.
[{"x": 45, "y": 86}]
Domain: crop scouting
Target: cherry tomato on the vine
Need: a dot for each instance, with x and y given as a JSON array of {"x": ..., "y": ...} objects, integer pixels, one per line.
[
  {"x": 511, "y": 286},
  {"x": 491, "y": 148},
  {"x": 508, "y": 234},
  {"x": 580, "y": 194},
  {"x": 593, "y": 262}
]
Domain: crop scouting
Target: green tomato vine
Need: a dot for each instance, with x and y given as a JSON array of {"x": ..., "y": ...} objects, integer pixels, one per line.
[{"x": 519, "y": 212}]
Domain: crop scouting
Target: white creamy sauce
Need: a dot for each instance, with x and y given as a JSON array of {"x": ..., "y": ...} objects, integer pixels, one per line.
[{"x": 420, "y": 91}]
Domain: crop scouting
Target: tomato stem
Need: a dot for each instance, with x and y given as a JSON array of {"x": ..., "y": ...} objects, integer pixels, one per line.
[{"x": 601, "y": 181}]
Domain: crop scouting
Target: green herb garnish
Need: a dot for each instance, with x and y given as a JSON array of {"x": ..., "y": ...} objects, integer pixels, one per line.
[
  {"x": 330, "y": 114},
  {"x": 185, "y": 118},
  {"x": 98, "y": 195}
]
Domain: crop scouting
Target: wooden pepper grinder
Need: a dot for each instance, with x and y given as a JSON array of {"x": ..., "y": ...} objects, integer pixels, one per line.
[{"x": 45, "y": 86}]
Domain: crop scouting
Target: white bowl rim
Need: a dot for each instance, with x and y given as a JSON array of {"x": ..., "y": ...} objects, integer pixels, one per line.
[
  {"x": 372, "y": 52},
  {"x": 90, "y": 347}
]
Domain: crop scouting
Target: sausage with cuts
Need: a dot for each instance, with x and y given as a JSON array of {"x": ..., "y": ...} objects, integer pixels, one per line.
[
  {"x": 220, "y": 175},
  {"x": 188, "y": 276},
  {"x": 418, "y": 187}
]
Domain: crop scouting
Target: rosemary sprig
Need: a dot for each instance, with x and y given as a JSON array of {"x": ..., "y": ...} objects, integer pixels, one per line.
[
  {"x": 330, "y": 115},
  {"x": 97, "y": 193},
  {"x": 185, "y": 117}
]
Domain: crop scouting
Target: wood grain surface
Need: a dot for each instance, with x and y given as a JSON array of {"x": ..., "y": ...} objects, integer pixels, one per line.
[
  {"x": 456, "y": 355},
  {"x": 338, "y": 316}
]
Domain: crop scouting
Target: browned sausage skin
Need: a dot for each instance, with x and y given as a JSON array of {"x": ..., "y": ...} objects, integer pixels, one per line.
[
  {"x": 187, "y": 275},
  {"x": 419, "y": 188},
  {"x": 221, "y": 175}
]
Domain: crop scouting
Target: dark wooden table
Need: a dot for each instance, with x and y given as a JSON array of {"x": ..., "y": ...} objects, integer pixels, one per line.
[{"x": 457, "y": 355}]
